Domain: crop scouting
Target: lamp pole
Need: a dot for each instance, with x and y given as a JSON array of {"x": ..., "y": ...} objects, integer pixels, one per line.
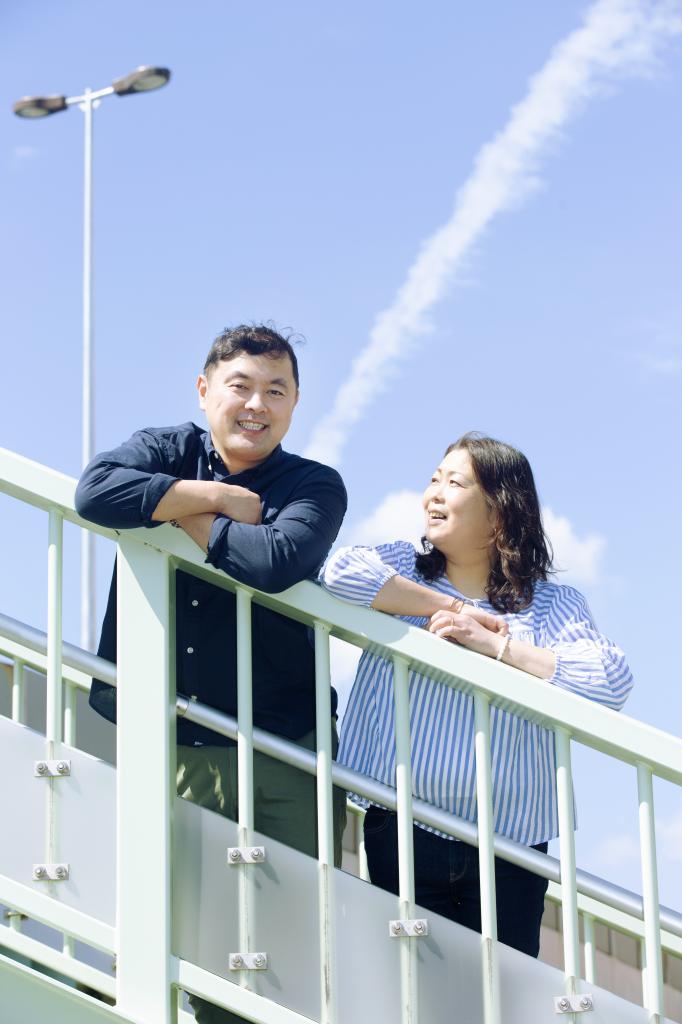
[
  {"x": 88, "y": 609},
  {"x": 143, "y": 79}
]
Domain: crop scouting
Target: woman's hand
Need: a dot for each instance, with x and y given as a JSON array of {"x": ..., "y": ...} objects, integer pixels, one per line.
[{"x": 472, "y": 627}]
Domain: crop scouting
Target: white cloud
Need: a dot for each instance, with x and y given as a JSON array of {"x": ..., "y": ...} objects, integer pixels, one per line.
[
  {"x": 623, "y": 849},
  {"x": 343, "y": 662},
  {"x": 616, "y": 37},
  {"x": 399, "y": 517},
  {"x": 666, "y": 365},
  {"x": 669, "y": 834},
  {"x": 20, "y": 154},
  {"x": 578, "y": 557}
]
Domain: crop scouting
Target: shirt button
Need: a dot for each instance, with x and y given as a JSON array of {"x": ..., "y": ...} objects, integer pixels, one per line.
[
  {"x": 190, "y": 650},
  {"x": 195, "y": 603}
]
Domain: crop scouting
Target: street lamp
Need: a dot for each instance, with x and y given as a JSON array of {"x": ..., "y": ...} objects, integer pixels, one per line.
[{"x": 143, "y": 79}]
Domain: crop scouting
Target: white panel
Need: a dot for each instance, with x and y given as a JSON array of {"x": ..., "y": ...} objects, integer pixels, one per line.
[
  {"x": 22, "y": 801},
  {"x": 32, "y": 998},
  {"x": 286, "y": 924},
  {"x": 87, "y": 835},
  {"x": 86, "y": 821}
]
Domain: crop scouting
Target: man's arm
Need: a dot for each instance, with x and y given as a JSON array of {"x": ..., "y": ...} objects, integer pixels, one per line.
[
  {"x": 141, "y": 483},
  {"x": 274, "y": 556},
  {"x": 205, "y": 499},
  {"x": 122, "y": 487}
]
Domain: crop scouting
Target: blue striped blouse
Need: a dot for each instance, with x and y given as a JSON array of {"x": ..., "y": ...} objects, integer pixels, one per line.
[{"x": 442, "y": 718}]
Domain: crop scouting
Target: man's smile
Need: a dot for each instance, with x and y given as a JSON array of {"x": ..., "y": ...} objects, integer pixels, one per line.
[{"x": 251, "y": 426}]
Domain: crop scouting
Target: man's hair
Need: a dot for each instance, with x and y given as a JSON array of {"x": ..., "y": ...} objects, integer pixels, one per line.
[
  {"x": 522, "y": 554},
  {"x": 254, "y": 339}
]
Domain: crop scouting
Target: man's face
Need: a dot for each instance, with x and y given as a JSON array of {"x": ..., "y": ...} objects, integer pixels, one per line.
[{"x": 248, "y": 401}]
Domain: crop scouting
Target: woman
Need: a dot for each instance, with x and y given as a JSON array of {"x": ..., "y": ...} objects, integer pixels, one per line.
[{"x": 481, "y": 581}]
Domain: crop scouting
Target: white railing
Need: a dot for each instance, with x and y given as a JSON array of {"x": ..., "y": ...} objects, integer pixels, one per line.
[{"x": 148, "y": 973}]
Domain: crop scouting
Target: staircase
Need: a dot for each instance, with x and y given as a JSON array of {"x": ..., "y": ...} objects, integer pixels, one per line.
[{"x": 99, "y": 862}]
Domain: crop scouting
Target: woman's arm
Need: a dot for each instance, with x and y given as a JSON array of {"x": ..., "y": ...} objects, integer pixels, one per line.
[
  {"x": 379, "y": 577},
  {"x": 577, "y": 657},
  {"x": 473, "y": 634},
  {"x": 587, "y": 662}
]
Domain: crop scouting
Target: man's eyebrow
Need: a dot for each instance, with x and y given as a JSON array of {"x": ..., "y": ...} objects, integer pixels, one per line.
[{"x": 240, "y": 375}]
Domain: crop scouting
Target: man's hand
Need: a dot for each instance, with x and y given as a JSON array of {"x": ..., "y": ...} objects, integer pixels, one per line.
[
  {"x": 196, "y": 497},
  {"x": 238, "y": 503}
]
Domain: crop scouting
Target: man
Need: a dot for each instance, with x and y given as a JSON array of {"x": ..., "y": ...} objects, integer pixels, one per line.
[{"x": 268, "y": 519}]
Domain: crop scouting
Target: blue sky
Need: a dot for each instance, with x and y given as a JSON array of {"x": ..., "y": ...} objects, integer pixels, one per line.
[{"x": 292, "y": 170}]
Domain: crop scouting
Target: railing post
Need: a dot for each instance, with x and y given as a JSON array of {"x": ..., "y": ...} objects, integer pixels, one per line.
[
  {"x": 18, "y": 691},
  {"x": 53, "y": 711},
  {"x": 653, "y": 974},
  {"x": 145, "y": 782},
  {"x": 590, "y": 949},
  {"x": 244, "y": 771},
  {"x": 53, "y": 721},
  {"x": 325, "y": 823},
  {"x": 569, "y": 890},
  {"x": 403, "y": 781},
  {"x": 486, "y": 862}
]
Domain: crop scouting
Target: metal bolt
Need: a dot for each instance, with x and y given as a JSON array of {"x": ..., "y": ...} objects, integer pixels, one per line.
[
  {"x": 419, "y": 927},
  {"x": 564, "y": 1004},
  {"x": 259, "y": 960},
  {"x": 60, "y": 872},
  {"x": 256, "y": 853},
  {"x": 39, "y": 871},
  {"x": 236, "y": 960},
  {"x": 41, "y": 767},
  {"x": 62, "y": 767},
  {"x": 586, "y": 1003},
  {"x": 396, "y": 928},
  {"x": 235, "y": 854}
]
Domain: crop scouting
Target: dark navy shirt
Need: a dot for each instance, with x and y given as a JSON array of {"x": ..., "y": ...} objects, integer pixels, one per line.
[{"x": 302, "y": 507}]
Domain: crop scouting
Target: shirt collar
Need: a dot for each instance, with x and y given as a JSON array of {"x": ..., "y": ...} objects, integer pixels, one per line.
[{"x": 215, "y": 460}]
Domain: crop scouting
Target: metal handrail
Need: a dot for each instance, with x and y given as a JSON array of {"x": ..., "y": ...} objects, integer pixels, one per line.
[
  {"x": 146, "y": 560},
  {"x": 596, "y": 888}
]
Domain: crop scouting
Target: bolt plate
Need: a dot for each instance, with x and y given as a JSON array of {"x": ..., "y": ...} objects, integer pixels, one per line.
[
  {"x": 248, "y": 961},
  {"x": 245, "y": 854},
  {"x": 52, "y": 873},
  {"x": 50, "y": 770},
  {"x": 415, "y": 929},
  {"x": 582, "y": 1003}
]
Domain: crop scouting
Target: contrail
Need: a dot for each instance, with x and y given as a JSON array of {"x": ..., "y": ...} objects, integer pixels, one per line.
[{"x": 617, "y": 37}]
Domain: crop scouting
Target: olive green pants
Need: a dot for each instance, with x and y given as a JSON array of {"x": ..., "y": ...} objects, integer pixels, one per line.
[{"x": 285, "y": 808}]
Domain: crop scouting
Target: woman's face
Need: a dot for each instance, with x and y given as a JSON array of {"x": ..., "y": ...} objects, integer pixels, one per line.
[{"x": 459, "y": 521}]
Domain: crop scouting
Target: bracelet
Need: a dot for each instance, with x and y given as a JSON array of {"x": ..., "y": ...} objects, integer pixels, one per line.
[
  {"x": 456, "y": 605},
  {"x": 503, "y": 647},
  {"x": 175, "y": 523}
]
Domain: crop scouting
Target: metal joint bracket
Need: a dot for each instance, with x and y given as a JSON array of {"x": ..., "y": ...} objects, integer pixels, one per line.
[
  {"x": 573, "y": 1004},
  {"x": 51, "y": 769},
  {"x": 248, "y": 961},
  {"x": 50, "y": 872},
  {"x": 414, "y": 929},
  {"x": 245, "y": 854}
]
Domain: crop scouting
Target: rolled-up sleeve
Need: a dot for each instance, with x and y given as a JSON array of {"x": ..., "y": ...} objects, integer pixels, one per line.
[
  {"x": 121, "y": 488},
  {"x": 358, "y": 573},
  {"x": 274, "y": 556},
  {"x": 587, "y": 662}
]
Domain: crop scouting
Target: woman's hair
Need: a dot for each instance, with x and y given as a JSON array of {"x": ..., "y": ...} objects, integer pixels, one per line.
[{"x": 522, "y": 554}]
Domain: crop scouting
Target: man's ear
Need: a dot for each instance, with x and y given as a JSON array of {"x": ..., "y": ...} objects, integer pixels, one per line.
[
  {"x": 202, "y": 385},
  {"x": 298, "y": 395}
]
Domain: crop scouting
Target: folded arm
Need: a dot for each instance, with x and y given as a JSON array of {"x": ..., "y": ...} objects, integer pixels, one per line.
[
  {"x": 275, "y": 555},
  {"x": 380, "y": 577}
]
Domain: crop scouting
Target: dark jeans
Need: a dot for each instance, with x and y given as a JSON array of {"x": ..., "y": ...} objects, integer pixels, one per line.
[{"x": 446, "y": 880}]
